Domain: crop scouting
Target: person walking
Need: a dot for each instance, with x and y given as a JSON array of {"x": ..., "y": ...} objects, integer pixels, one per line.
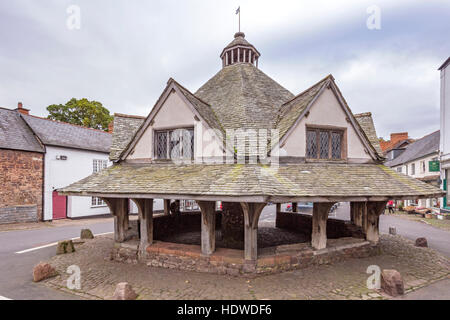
[{"x": 391, "y": 206}]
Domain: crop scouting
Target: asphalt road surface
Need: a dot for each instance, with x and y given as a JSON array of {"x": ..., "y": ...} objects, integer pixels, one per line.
[{"x": 16, "y": 269}]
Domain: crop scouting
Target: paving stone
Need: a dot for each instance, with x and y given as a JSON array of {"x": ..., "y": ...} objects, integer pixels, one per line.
[{"x": 100, "y": 276}]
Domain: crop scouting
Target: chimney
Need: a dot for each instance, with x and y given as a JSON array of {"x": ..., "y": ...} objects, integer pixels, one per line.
[
  {"x": 21, "y": 109},
  {"x": 396, "y": 137}
]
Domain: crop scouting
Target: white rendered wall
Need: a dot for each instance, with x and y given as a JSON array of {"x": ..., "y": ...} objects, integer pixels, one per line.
[
  {"x": 61, "y": 173},
  {"x": 175, "y": 113},
  {"x": 445, "y": 115},
  {"x": 326, "y": 111}
]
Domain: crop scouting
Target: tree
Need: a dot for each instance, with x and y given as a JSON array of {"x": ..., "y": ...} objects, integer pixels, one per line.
[{"x": 82, "y": 112}]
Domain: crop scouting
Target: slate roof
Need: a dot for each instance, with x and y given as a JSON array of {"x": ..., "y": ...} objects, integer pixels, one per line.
[
  {"x": 291, "y": 110},
  {"x": 125, "y": 127},
  {"x": 242, "y": 96},
  {"x": 61, "y": 134},
  {"x": 366, "y": 122},
  {"x": 418, "y": 149},
  {"x": 234, "y": 180},
  {"x": 15, "y": 134}
]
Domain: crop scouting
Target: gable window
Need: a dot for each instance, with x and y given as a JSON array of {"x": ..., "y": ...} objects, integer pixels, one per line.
[
  {"x": 174, "y": 144},
  {"x": 97, "y": 166},
  {"x": 324, "y": 144}
]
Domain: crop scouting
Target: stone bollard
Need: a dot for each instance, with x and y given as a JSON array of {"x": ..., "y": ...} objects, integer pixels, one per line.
[
  {"x": 65, "y": 247},
  {"x": 392, "y": 231},
  {"x": 422, "y": 242},
  {"x": 392, "y": 283},
  {"x": 43, "y": 271},
  {"x": 124, "y": 292},
  {"x": 86, "y": 234}
]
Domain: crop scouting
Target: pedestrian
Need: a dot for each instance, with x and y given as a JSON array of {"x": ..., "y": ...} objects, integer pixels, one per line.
[{"x": 391, "y": 206}]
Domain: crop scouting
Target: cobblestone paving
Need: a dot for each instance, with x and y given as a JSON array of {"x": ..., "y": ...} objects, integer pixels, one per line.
[{"x": 344, "y": 280}]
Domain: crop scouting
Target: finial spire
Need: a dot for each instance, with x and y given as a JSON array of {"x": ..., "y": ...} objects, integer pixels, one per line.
[{"x": 238, "y": 11}]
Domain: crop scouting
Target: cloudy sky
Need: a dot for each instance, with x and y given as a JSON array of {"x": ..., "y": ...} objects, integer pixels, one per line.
[{"x": 125, "y": 51}]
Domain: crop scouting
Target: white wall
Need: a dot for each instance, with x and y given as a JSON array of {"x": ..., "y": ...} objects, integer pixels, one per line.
[
  {"x": 419, "y": 173},
  {"x": 326, "y": 111},
  {"x": 445, "y": 129},
  {"x": 61, "y": 173},
  {"x": 175, "y": 113}
]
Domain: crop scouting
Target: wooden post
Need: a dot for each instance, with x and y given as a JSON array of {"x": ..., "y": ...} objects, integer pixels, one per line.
[
  {"x": 294, "y": 207},
  {"x": 374, "y": 210},
  {"x": 358, "y": 213},
  {"x": 119, "y": 209},
  {"x": 208, "y": 209},
  {"x": 145, "y": 207},
  {"x": 252, "y": 211},
  {"x": 166, "y": 207},
  {"x": 319, "y": 224},
  {"x": 278, "y": 207}
]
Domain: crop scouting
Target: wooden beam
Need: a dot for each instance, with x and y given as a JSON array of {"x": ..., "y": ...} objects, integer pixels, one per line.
[
  {"x": 208, "y": 209},
  {"x": 252, "y": 212},
  {"x": 374, "y": 210},
  {"x": 145, "y": 209},
  {"x": 278, "y": 207},
  {"x": 319, "y": 225}
]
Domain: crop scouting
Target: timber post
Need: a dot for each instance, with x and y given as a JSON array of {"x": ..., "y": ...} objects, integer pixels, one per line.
[
  {"x": 208, "y": 232},
  {"x": 319, "y": 224},
  {"x": 252, "y": 212}
]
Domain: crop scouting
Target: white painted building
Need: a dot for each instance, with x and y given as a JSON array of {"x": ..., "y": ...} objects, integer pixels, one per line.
[
  {"x": 420, "y": 160},
  {"x": 445, "y": 132},
  {"x": 71, "y": 154}
]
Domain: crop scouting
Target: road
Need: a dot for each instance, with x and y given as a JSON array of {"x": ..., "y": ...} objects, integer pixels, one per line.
[{"x": 16, "y": 269}]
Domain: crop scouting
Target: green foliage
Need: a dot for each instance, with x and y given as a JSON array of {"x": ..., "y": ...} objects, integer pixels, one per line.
[{"x": 82, "y": 112}]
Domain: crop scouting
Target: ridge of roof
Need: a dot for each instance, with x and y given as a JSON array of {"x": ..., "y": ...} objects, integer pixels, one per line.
[
  {"x": 444, "y": 64},
  {"x": 122, "y": 115}
]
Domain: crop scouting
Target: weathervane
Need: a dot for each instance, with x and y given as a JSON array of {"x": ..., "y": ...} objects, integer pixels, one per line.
[{"x": 238, "y": 11}]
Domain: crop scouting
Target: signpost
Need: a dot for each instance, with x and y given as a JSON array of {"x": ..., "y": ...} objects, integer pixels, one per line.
[{"x": 434, "y": 166}]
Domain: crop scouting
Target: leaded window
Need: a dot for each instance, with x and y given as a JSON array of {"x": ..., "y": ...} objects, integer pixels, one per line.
[
  {"x": 311, "y": 141},
  {"x": 324, "y": 144},
  {"x": 174, "y": 144}
]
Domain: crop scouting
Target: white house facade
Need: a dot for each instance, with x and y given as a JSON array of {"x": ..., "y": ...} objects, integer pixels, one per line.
[
  {"x": 420, "y": 160},
  {"x": 445, "y": 132},
  {"x": 71, "y": 153}
]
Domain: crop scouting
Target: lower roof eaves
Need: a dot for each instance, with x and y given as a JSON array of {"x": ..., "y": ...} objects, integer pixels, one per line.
[{"x": 319, "y": 182}]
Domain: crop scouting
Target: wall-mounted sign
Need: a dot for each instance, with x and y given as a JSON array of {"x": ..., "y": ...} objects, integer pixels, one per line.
[{"x": 434, "y": 166}]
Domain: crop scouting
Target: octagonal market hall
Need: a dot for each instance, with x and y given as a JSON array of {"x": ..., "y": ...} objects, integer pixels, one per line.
[{"x": 219, "y": 156}]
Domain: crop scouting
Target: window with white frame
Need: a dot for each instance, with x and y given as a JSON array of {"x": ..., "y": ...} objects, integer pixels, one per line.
[
  {"x": 399, "y": 169},
  {"x": 413, "y": 169},
  {"x": 97, "y": 166},
  {"x": 174, "y": 144},
  {"x": 423, "y": 167}
]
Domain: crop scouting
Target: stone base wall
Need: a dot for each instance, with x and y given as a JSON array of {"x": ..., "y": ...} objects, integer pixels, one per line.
[
  {"x": 18, "y": 214},
  {"x": 302, "y": 223},
  {"x": 173, "y": 224},
  {"x": 231, "y": 261}
]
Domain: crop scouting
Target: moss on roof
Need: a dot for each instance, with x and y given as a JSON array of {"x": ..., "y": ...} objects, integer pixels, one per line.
[{"x": 292, "y": 180}]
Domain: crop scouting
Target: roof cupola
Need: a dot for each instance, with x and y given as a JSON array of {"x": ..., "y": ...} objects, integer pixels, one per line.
[{"x": 239, "y": 51}]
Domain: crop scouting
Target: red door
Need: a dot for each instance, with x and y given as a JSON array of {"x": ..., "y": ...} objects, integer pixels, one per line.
[{"x": 59, "y": 206}]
